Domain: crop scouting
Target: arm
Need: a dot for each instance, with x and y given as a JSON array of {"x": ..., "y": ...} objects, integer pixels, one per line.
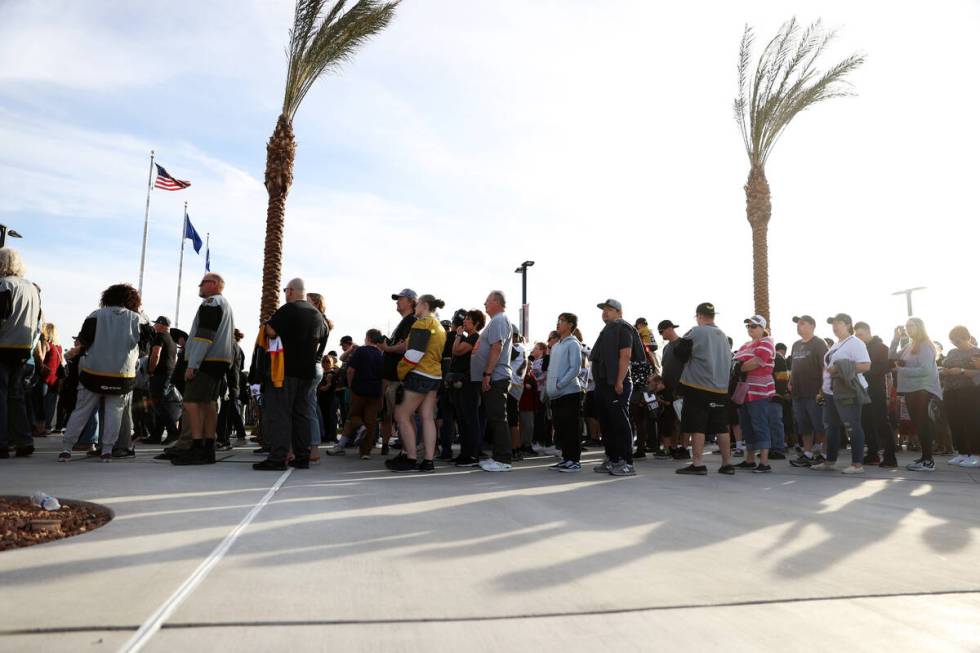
[
  {"x": 154, "y": 358},
  {"x": 624, "y": 367},
  {"x": 492, "y": 358},
  {"x": 461, "y": 347}
]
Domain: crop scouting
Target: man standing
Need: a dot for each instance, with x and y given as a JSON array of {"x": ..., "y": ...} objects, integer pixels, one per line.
[
  {"x": 490, "y": 366},
  {"x": 616, "y": 347},
  {"x": 303, "y": 331},
  {"x": 707, "y": 359},
  {"x": 20, "y": 326},
  {"x": 210, "y": 350},
  {"x": 393, "y": 351},
  {"x": 564, "y": 390},
  {"x": 806, "y": 378},
  {"x": 163, "y": 359},
  {"x": 874, "y": 416},
  {"x": 673, "y": 367}
]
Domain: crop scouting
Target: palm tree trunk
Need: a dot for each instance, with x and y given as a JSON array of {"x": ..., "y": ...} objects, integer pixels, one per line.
[
  {"x": 280, "y": 155},
  {"x": 758, "y": 210}
]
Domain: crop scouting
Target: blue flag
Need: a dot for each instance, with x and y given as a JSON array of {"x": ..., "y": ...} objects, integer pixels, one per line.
[
  {"x": 191, "y": 232},
  {"x": 207, "y": 259}
]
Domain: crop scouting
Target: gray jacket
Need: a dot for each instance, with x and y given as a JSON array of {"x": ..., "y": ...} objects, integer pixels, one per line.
[
  {"x": 111, "y": 337},
  {"x": 847, "y": 387},
  {"x": 564, "y": 366},
  {"x": 212, "y": 335},
  {"x": 708, "y": 359},
  {"x": 20, "y": 318}
]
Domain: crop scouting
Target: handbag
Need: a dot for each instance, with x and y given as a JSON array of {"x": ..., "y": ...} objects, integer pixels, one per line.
[{"x": 741, "y": 393}]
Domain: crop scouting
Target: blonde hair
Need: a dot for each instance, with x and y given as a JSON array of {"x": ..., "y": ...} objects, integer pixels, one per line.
[
  {"x": 921, "y": 335},
  {"x": 50, "y": 333},
  {"x": 11, "y": 264}
]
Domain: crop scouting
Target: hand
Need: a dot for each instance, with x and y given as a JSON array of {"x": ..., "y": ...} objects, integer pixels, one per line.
[
  {"x": 459, "y": 331},
  {"x": 618, "y": 387},
  {"x": 189, "y": 374},
  {"x": 486, "y": 384}
]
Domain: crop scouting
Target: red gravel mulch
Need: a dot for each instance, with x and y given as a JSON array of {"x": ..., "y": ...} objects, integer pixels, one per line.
[{"x": 23, "y": 524}]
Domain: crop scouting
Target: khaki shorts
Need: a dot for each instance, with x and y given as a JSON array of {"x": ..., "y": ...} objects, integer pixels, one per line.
[
  {"x": 390, "y": 389},
  {"x": 201, "y": 389}
]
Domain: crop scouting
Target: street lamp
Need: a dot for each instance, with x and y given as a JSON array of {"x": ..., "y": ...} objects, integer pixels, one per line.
[
  {"x": 908, "y": 296},
  {"x": 6, "y": 231},
  {"x": 525, "y": 321}
]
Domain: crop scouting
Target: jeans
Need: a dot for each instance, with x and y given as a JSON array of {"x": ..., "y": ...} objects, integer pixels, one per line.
[
  {"x": 495, "y": 404},
  {"x": 809, "y": 416},
  {"x": 89, "y": 402},
  {"x": 49, "y": 404},
  {"x": 565, "y": 413},
  {"x": 777, "y": 432},
  {"x": 614, "y": 421},
  {"x": 836, "y": 415},
  {"x": 316, "y": 419},
  {"x": 468, "y": 412},
  {"x": 878, "y": 430},
  {"x": 159, "y": 388},
  {"x": 753, "y": 417},
  {"x": 286, "y": 419}
]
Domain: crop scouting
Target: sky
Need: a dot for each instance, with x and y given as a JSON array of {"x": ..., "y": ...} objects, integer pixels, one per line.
[{"x": 594, "y": 138}]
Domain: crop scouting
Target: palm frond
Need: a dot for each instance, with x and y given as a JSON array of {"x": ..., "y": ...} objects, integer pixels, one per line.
[
  {"x": 321, "y": 42},
  {"x": 784, "y": 83}
]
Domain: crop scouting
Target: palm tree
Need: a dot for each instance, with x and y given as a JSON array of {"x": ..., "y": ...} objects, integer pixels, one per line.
[
  {"x": 785, "y": 83},
  {"x": 318, "y": 42}
]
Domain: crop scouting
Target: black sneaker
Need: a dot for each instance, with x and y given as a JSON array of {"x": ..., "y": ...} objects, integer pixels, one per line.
[
  {"x": 746, "y": 465},
  {"x": 762, "y": 469},
  {"x": 391, "y": 461},
  {"x": 24, "y": 452},
  {"x": 270, "y": 466},
  {"x": 384, "y": 450},
  {"x": 516, "y": 454},
  {"x": 403, "y": 464},
  {"x": 660, "y": 454},
  {"x": 818, "y": 458},
  {"x": 639, "y": 453},
  {"x": 467, "y": 461},
  {"x": 223, "y": 446},
  {"x": 777, "y": 455},
  {"x": 124, "y": 453},
  {"x": 94, "y": 452},
  {"x": 802, "y": 461},
  {"x": 426, "y": 466},
  {"x": 297, "y": 463},
  {"x": 261, "y": 451},
  {"x": 696, "y": 470},
  {"x": 727, "y": 469},
  {"x": 446, "y": 457}
]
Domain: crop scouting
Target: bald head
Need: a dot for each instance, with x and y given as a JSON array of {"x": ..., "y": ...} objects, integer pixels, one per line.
[
  {"x": 211, "y": 284},
  {"x": 295, "y": 290}
]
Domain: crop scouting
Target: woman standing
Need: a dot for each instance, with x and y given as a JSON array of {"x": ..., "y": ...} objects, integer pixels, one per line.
[
  {"x": 420, "y": 372},
  {"x": 50, "y": 379},
  {"x": 918, "y": 381},
  {"x": 756, "y": 359},
  {"x": 962, "y": 397},
  {"x": 316, "y": 416},
  {"x": 468, "y": 394}
]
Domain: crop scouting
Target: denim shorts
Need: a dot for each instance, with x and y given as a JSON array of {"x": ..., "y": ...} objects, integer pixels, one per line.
[
  {"x": 808, "y": 416},
  {"x": 421, "y": 384}
]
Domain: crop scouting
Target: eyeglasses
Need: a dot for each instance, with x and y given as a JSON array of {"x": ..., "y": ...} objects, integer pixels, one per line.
[
  {"x": 753, "y": 326},
  {"x": 205, "y": 281}
]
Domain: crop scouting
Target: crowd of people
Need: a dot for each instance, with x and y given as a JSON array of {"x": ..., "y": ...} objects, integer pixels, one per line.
[{"x": 471, "y": 392}]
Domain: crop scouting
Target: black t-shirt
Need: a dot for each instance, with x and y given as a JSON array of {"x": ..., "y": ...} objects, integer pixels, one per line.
[
  {"x": 616, "y": 335},
  {"x": 391, "y": 360},
  {"x": 367, "y": 363},
  {"x": 303, "y": 332},
  {"x": 461, "y": 364},
  {"x": 807, "y": 367},
  {"x": 168, "y": 355}
]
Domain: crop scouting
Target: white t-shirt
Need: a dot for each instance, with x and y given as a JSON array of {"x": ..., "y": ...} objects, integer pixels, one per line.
[{"x": 852, "y": 349}]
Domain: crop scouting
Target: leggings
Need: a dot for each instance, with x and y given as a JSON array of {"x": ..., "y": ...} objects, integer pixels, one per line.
[
  {"x": 963, "y": 412},
  {"x": 918, "y": 404}
]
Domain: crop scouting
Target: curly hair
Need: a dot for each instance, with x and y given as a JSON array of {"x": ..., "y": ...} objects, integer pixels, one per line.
[{"x": 122, "y": 294}]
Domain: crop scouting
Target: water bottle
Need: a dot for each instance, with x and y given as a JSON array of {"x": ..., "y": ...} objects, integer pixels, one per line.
[{"x": 45, "y": 502}]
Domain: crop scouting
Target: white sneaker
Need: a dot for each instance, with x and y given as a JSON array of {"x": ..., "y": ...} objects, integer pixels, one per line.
[
  {"x": 971, "y": 462},
  {"x": 491, "y": 465},
  {"x": 852, "y": 469},
  {"x": 956, "y": 460},
  {"x": 825, "y": 466}
]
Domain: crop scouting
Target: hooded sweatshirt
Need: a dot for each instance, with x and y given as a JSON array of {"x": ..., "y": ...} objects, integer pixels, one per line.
[
  {"x": 211, "y": 340},
  {"x": 564, "y": 366},
  {"x": 111, "y": 337},
  {"x": 20, "y": 318}
]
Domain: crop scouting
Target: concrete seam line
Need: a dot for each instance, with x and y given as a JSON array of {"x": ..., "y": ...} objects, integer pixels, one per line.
[{"x": 152, "y": 625}]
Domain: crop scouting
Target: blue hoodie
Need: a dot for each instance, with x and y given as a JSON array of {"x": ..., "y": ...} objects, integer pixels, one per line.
[{"x": 564, "y": 365}]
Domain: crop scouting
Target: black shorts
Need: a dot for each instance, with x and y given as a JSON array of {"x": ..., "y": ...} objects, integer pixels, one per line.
[
  {"x": 513, "y": 412},
  {"x": 704, "y": 412},
  {"x": 203, "y": 388},
  {"x": 667, "y": 421},
  {"x": 590, "y": 411},
  {"x": 420, "y": 383}
]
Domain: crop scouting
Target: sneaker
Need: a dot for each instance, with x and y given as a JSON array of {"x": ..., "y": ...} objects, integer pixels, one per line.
[
  {"x": 516, "y": 454},
  {"x": 971, "y": 462},
  {"x": 94, "y": 452},
  {"x": 491, "y": 465},
  {"x": 660, "y": 454},
  {"x": 802, "y": 461},
  {"x": 270, "y": 466},
  {"x": 24, "y": 452},
  {"x": 391, "y": 461},
  {"x": 64, "y": 456},
  {"x": 818, "y": 458},
  {"x": 639, "y": 453},
  {"x": 570, "y": 467},
  {"x": 888, "y": 463},
  {"x": 365, "y": 456},
  {"x": 825, "y": 466},
  {"x": 680, "y": 453},
  {"x": 105, "y": 458},
  {"x": 124, "y": 453},
  {"x": 738, "y": 453},
  {"x": 558, "y": 465},
  {"x": 83, "y": 447},
  {"x": 762, "y": 469},
  {"x": 746, "y": 466},
  {"x": 853, "y": 469},
  {"x": 296, "y": 463},
  {"x": 336, "y": 450},
  {"x": 467, "y": 461},
  {"x": 956, "y": 460},
  {"x": 426, "y": 466},
  {"x": 623, "y": 469},
  {"x": 446, "y": 457},
  {"x": 403, "y": 464},
  {"x": 603, "y": 468},
  {"x": 777, "y": 455},
  {"x": 384, "y": 450},
  {"x": 921, "y": 466},
  {"x": 697, "y": 470},
  {"x": 727, "y": 469},
  {"x": 223, "y": 446}
]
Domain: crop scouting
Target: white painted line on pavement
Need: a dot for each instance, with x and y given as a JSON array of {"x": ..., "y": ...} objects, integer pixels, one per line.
[{"x": 152, "y": 625}]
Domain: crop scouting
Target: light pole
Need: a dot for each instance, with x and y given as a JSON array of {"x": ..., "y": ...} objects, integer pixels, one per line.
[
  {"x": 525, "y": 321},
  {"x": 908, "y": 296},
  {"x": 6, "y": 231}
]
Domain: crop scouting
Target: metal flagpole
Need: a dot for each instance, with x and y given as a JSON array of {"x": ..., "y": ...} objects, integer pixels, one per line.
[
  {"x": 146, "y": 221},
  {"x": 180, "y": 268},
  {"x": 207, "y": 251}
]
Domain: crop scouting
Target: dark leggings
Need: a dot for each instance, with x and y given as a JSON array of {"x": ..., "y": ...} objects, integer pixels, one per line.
[
  {"x": 565, "y": 413},
  {"x": 918, "y": 405},
  {"x": 963, "y": 412}
]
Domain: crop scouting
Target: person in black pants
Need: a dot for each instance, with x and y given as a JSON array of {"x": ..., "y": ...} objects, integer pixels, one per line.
[
  {"x": 878, "y": 430},
  {"x": 563, "y": 387},
  {"x": 467, "y": 395},
  {"x": 162, "y": 362}
]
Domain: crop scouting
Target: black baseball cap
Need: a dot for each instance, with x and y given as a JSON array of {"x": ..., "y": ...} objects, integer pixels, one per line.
[
  {"x": 841, "y": 317},
  {"x": 666, "y": 324},
  {"x": 162, "y": 320},
  {"x": 346, "y": 339},
  {"x": 706, "y": 309},
  {"x": 805, "y": 318}
]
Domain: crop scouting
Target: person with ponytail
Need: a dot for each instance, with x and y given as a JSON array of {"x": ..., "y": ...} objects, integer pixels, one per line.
[{"x": 420, "y": 372}]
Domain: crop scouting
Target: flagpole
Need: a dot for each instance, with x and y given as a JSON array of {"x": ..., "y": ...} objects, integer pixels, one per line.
[
  {"x": 180, "y": 267},
  {"x": 146, "y": 221},
  {"x": 207, "y": 251}
]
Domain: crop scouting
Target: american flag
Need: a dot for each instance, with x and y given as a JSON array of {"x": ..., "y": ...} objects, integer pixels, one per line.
[{"x": 166, "y": 182}]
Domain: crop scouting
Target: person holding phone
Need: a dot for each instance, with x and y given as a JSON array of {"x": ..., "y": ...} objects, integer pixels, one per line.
[{"x": 918, "y": 380}]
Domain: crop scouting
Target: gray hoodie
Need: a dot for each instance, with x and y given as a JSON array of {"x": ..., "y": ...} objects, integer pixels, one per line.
[
  {"x": 212, "y": 335},
  {"x": 20, "y": 318},
  {"x": 564, "y": 366},
  {"x": 111, "y": 337}
]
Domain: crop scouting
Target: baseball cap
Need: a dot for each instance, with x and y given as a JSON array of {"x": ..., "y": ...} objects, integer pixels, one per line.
[
  {"x": 756, "y": 320},
  {"x": 163, "y": 320},
  {"x": 840, "y": 317},
  {"x": 346, "y": 339},
  {"x": 407, "y": 293},
  {"x": 805, "y": 318},
  {"x": 706, "y": 309},
  {"x": 611, "y": 303},
  {"x": 666, "y": 324}
]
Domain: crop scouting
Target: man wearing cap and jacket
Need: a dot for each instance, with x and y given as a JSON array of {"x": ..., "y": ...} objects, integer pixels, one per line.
[
  {"x": 617, "y": 346},
  {"x": 806, "y": 377}
]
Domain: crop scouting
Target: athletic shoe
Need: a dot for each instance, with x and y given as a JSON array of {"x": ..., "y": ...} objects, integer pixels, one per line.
[
  {"x": 64, "y": 456},
  {"x": 825, "y": 466},
  {"x": 105, "y": 458},
  {"x": 426, "y": 466},
  {"x": 777, "y": 455},
  {"x": 570, "y": 467},
  {"x": 818, "y": 458},
  {"x": 83, "y": 447},
  {"x": 467, "y": 461},
  {"x": 557, "y": 466},
  {"x": 623, "y": 469},
  {"x": 956, "y": 460},
  {"x": 603, "y": 468},
  {"x": 124, "y": 453},
  {"x": 871, "y": 459},
  {"x": 727, "y": 469},
  {"x": 391, "y": 461},
  {"x": 336, "y": 450},
  {"x": 802, "y": 461},
  {"x": 94, "y": 452},
  {"x": 639, "y": 453},
  {"x": 746, "y": 466},
  {"x": 853, "y": 469},
  {"x": 365, "y": 456},
  {"x": 270, "y": 466},
  {"x": 403, "y": 464},
  {"x": 660, "y": 454},
  {"x": 296, "y": 463},
  {"x": 697, "y": 470},
  {"x": 516, "y": 454},
  {"x": 971, "y": 462},
  {"x": 491, "y": 465},
  {"x": 762, "y": 469},
  {"x": 24, "y": 452},
  {"x": 223, "y": 446},
  {"x": 738, "y": 453},
  {"x": 921, "y": 466},
  {"x": 680, "y": 453},
  {"x": 888, "y": 463},
  {"x": 446, "y": 457}
]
